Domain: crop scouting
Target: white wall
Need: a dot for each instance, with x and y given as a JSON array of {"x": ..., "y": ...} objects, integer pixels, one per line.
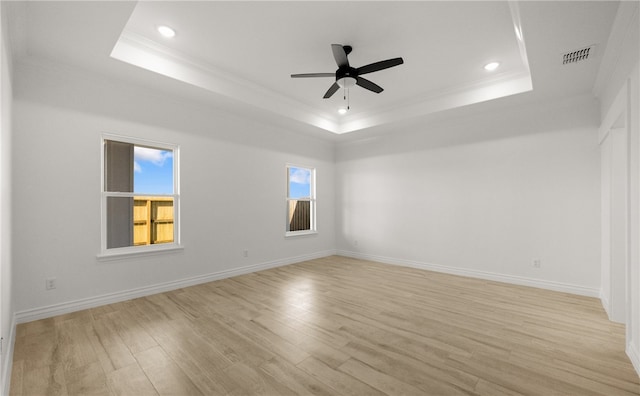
[
  {"x": 619, "y": 96},
  {"x": 623, "y": 119},
  {"x": 6, "y": 298},
  {"x": 233, "y": 188},
  {"x": 614, "y": 224},
  {"x": 523, "y": 185},
  {"x": 633, "y": 321},
  {"x": 605, "y": 222}
]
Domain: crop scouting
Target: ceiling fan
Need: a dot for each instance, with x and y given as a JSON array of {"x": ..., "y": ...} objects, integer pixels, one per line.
[{"x": 347, "y": 76}]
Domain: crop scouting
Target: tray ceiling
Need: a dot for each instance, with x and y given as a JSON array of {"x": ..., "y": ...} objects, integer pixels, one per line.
[{"x": 247, "y": 51}]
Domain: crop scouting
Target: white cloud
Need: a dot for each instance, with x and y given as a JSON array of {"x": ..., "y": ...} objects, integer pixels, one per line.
[
  {"x": 300, "y": 176},
  {"x": 137, "y": 167},
  {"x": 155, "y": 156}
]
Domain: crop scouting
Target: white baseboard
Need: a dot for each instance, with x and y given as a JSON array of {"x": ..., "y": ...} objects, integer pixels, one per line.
[
  {"x": 634, "y": 355},
  {"x": 7, "y": 362},
  {"x": 516, "y": 280},
  {"x": 92, "y": 302}
]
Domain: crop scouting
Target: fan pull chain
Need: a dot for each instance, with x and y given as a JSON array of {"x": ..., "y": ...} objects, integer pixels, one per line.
[{"x": 345, "y": 96}]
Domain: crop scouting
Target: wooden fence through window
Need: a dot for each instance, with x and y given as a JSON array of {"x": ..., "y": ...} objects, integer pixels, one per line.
[
  {"x": 299, "y": 215},
  {"x": 152, "y": 220}
]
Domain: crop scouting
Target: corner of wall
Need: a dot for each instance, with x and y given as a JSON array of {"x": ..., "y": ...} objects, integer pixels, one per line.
[
  {"x": 7, "y": 358},
  {"x": 7, "y": 314},
  {"x": 634, "y": 355},
  {"x": 605, "y": 302},
  {"x": 621, "y": 52}
]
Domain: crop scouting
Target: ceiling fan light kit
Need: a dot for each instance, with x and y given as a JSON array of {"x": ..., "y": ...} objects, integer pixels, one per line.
[
  {"x": 346, "y": 82},
  {"x": 347, "y": 76}
]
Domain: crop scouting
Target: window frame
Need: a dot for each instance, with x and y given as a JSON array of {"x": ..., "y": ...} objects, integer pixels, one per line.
[
  {"x": 313, "y": 202},
  {"x": 122, "y": 252}
]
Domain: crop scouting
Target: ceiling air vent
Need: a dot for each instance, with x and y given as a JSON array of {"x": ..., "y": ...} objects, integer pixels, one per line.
[{"x": 578, "y": 55}]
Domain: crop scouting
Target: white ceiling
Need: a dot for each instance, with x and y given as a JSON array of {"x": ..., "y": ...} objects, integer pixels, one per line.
[{"x": 241, "y": 54}]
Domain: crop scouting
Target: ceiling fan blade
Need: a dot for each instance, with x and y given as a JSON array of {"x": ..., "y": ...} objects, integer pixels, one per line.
[
  {"x": 385, "y": 64},
  {"x": 366, "y": 84},
  {"x": 332, "y": 89},
  {"x": 340, "y": 55},
  {"x": 304, "y": 75}
]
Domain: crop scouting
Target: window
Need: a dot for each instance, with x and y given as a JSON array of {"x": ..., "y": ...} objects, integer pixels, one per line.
[
  {"x": 140, "y": 196},
  {"x": 301, "y": 200}
]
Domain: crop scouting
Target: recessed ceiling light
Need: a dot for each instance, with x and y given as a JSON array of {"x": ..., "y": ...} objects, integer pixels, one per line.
[
  {"x": 491, "y": 66},
  {"x": 166, "y": 31},
  {"x": 342, "y": 111}
]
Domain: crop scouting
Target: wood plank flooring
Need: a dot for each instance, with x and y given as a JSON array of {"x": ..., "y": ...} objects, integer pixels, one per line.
[{"x": 332, "y": 326}]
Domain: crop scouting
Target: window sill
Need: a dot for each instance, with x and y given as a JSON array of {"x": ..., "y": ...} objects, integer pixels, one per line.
[
  {"x": 141, "y": 251},
  {"x": 289, "y": 234}
]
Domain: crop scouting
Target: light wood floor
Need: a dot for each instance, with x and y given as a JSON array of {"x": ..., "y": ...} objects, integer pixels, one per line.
[{"x": 330, "y": 326}]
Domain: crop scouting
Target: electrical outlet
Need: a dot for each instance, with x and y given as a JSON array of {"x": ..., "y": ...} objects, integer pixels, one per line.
[
  {"x": 536, "y": 263},
  {"x": 50, "y": 283},
  {"x": 245, "y": 253}
]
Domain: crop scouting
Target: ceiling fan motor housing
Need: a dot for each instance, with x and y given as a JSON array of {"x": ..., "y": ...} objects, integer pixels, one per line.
[{"x": 346, "y": 76}]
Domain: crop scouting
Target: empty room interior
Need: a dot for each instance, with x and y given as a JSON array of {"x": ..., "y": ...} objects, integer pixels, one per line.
[{"x": 335, "y": 198}]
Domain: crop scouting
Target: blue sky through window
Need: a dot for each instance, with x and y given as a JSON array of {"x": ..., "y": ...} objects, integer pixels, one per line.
[
  {"x": 152, "y": 171},
  {"x": 299, "y": 183}
]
